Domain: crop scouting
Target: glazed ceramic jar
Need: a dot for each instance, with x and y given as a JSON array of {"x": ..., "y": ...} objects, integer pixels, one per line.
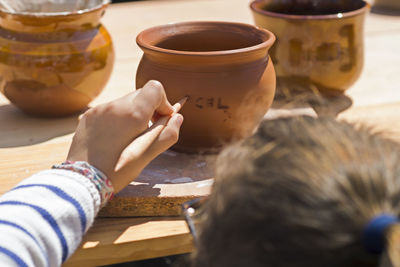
[
  {"x": 54, "y": 64},
  {"x": 320, "y": 44},
  {"x": 223, "y": 68}
]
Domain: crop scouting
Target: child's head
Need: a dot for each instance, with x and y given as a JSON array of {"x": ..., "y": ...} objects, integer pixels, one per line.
[{"x": 300, "y": 192}]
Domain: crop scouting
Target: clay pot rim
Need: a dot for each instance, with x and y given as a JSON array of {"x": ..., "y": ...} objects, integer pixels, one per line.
[
  {"x": 265, "y": 44},
  {"x": 255, "y": 8},
  {"x": 101, "y": 5}
]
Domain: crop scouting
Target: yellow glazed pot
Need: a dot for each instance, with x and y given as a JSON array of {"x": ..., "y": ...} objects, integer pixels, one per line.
[
  {"x": 318, "y": 47},
  {"x": 54, "y": 64}
]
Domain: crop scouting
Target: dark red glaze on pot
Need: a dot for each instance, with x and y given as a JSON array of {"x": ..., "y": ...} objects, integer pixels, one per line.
[{"x": 224, "y": 69}]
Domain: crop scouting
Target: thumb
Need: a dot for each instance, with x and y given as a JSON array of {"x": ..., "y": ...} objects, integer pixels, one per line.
[
  {"x": 168, "y": 137},
  {"x": 133, "y": 159}
]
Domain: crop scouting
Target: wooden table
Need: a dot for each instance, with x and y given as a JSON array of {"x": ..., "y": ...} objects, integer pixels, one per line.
[{"x": 374, "y": 99}]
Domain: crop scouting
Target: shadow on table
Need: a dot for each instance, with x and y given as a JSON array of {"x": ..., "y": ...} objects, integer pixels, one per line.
[
  {"x": 323, "y": 105},
  {"x": 385, "y": 11},
  {"x": 20, "y": 129}
]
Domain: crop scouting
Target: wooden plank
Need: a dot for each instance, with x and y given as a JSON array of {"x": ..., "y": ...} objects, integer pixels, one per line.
[
  {"x": 112, "y": 241},
  {"x": 29, "y": 144},
  {"x": 21, "y": 162},
  {"x": 163, "y": 186}
]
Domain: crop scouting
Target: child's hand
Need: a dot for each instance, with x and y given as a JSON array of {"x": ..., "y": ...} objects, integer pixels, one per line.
[{"x": 105, "y": 134}]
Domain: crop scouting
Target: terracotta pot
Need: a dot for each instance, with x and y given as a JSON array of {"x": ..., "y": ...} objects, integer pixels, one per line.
[
  {"x": 319, "y": 46},
  {"x": 223, "y": 67},
  {"x": 54, "y": 64}
]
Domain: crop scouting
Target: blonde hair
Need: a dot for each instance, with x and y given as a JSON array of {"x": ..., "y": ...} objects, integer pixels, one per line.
[{"x": 300, "y": 193}]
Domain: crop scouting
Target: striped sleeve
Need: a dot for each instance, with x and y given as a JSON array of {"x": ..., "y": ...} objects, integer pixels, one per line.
[{"x": 43, "y": 219}]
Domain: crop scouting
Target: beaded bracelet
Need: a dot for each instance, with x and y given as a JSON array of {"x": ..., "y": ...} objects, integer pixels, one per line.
[{"x": 98, "y": 178}]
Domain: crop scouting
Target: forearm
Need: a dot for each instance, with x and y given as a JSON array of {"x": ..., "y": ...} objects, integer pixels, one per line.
[{"x": 43, "y": 219}]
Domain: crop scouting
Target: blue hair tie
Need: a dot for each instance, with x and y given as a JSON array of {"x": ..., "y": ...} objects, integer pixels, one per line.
[{"x": 374, "y": 233}]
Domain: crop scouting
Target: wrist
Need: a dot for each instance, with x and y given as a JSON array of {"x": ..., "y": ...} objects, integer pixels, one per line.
[{"x": 98, "y": 178}]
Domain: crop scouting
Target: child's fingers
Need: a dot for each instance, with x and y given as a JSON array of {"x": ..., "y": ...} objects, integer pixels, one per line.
[
  {"x": 177, "y": 107},
  {"x": 168, "y": 137},
  {"x": 141, "y": 143},
  {"x": 143, "y": 103},
  {"x": 153, "y": 99},
  {"x": 167, "y": 125},
  {"x": 140, "y": 152},
  {"x": 158, "y": 138},
  {"x": 144, "y": 141}
]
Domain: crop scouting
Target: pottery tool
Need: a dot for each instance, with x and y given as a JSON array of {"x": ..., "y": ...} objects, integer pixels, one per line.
[{"x": 144, "y": 141}]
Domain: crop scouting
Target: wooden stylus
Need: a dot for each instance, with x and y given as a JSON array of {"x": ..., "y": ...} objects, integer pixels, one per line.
[{"x": 144, "y": 141}]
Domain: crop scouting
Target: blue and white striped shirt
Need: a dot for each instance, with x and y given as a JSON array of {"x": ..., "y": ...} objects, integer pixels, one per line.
[{"x": 43, "y": 219}]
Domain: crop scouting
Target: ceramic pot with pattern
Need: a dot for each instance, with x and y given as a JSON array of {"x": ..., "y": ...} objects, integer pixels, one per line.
[
  {"x": 54, "y": 63},
  {"x": 225, "y": 70},
  {"x": 320, "y": 44}
]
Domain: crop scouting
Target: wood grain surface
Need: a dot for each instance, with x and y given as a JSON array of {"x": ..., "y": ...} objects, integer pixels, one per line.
[
  {"x": 129, "y": 239},
  {"x": 164, "y": 185},
  {"x": 29, "y": 144}
]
